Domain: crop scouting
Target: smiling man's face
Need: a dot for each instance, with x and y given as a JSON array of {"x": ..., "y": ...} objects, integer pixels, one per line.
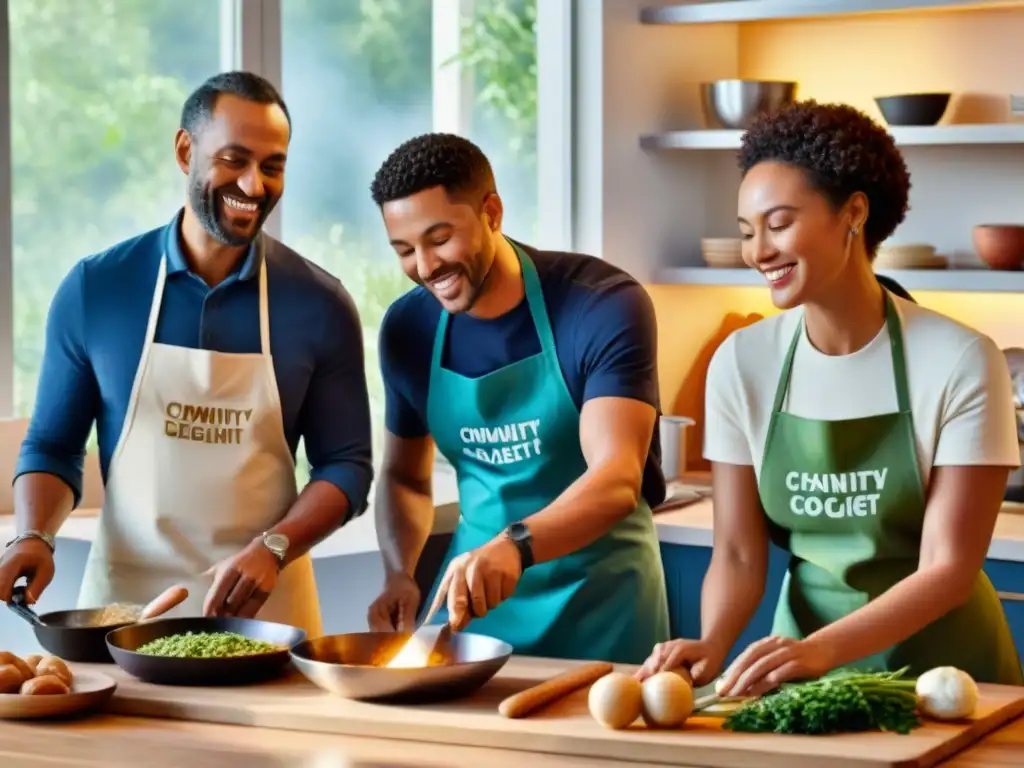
[
  {"x": 444, "y": 244},
  {"x": 236, "y": 168}
]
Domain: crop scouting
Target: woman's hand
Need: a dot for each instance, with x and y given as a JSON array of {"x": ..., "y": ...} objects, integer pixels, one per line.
[
  {"x": 772, "y": 661},
  {"x": 701, "y": 658}
]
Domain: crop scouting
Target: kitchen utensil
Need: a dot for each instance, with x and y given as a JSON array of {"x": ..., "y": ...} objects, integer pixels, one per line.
[
  {"x": 89, "y": 690},
  {"x": 565, "y": 728},
  {"x": 913, "y": 108},
  {"x": 1015, "y": 362},
  {"x": 1000, "y": 246},
  {"x": 80, "y": 635},
  {"x": 525, "y": 702},
  {"x": 355, "y": 666},
  {"x": 735, "y": 103},
  {"x": 236, "y": 670},
  {"x": 672, "y": 434}
]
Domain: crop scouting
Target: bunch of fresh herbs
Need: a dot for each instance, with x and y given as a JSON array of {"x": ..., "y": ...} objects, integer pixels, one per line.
[{"x": 845, "y": 701}]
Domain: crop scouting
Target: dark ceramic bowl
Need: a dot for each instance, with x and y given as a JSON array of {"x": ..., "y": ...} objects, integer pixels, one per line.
[{"x": 913, "y": 108}]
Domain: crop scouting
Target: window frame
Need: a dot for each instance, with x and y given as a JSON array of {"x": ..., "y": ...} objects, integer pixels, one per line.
[{"x": 251, "y": 39}]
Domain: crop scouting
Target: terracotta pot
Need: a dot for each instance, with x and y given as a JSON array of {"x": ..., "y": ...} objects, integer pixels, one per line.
[{"x": 1000, "y": 246}]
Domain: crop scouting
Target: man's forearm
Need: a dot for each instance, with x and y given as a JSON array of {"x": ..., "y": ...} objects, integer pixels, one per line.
[
  {"x": 320, "y": 510},
  {"x": 584, "y": 512},
  {"x": 405, "y": 518},
  {"x": 42, "y": 502}
]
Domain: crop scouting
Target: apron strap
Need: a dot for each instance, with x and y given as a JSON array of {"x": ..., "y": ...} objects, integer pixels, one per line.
[
  {"x": 899, "y": 360},
  {"x": 899, "y": 364},
  {"x": 535, "y": 300},
  {"x": 264, "y": 310}
]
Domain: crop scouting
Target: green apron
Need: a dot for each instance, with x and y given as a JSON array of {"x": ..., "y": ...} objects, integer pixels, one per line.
[
  {"x": 512, "y": 436},
  {"x": 846, "y": 499}
]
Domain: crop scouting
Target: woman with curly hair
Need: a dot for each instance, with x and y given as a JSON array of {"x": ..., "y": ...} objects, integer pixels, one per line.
[{"x": 867, "y": 436}]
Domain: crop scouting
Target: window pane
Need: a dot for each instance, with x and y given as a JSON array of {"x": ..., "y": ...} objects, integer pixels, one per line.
[
  {"x": 500, "y": 45},
  {"x": 357, "y": 79},
  {"x": 96, "y": 92}
]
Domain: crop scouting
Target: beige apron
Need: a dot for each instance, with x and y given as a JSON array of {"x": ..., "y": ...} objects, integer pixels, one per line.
[{"x": 201, "y": 468}]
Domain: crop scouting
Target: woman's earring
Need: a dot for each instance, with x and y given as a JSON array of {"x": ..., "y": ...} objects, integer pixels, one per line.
[{"x": 854, "y": 231}]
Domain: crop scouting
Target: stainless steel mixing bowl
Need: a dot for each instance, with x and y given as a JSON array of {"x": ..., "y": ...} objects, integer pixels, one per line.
[
  {"x": 352, "y": 665},
  {"x": 735, "y": 103}
]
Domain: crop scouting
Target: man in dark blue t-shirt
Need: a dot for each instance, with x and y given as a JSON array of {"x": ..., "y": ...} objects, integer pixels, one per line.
[{"x": 534, "y": 373}]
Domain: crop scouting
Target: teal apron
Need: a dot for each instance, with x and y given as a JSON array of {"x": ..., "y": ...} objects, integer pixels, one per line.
[
  {"x": 846, "y": 499},
  {"x": 512, "y": 436}
]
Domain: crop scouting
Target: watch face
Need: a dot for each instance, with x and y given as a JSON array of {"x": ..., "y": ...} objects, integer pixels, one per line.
[
  {"x": 277, "y": 542},
  {"x": 518, "y": 532}
]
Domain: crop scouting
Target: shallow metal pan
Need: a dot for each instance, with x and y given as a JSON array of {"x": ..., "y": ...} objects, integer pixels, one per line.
[
  {"x": 354, "y": 665},
  {"x": 71, "y": 635}
]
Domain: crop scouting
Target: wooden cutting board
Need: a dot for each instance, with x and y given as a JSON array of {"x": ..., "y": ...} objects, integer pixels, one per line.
[{"x": 564, "y": 728}]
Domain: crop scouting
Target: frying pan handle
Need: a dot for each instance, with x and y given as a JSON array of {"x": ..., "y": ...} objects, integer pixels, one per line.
[{"x": 21, "y": 607}]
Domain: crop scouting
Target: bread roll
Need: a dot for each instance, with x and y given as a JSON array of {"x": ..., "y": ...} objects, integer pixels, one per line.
[
  {"x": 44, "y": 685},
  {"x": 51, "y": 665},
  {"x": 27, "y": 673},
  {"x": 10, "y": 679},
  {"x": 33, "y": 662}
]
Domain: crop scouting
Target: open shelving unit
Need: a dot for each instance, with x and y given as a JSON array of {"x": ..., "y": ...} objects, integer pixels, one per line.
[
  {"x": 965, "y": 170},
  {"x": 906, "y": 136},
  {"x": 765, "y": 10},
  {"x": 980, "y": 280}
]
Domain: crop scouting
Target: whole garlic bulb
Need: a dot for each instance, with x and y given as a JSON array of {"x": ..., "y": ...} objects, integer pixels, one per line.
[{"x": 947, "y": 693}]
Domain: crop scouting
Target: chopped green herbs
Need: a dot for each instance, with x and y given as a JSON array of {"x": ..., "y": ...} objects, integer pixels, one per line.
[{"x": 845, "y": 701}]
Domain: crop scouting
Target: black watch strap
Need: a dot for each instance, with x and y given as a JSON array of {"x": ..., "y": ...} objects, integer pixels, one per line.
[{"x": 519, "y": 535}]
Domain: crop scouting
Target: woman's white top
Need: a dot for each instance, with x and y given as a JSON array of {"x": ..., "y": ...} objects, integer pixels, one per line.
[{"x": 960, "y": 389}]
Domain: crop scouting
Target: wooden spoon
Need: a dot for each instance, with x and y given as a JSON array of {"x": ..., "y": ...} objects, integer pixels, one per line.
[{"x": 163, "y": 602}]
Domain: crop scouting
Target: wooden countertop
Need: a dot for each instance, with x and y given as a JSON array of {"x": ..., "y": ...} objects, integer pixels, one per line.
[{"x": 105, "y": 740}]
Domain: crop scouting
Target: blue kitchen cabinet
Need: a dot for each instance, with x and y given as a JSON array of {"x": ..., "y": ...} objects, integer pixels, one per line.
[
  {"x": 685, "y": 567},
  {"x": 1008, "y": 578}
]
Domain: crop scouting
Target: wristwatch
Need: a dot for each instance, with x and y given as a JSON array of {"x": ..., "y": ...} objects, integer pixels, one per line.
[
  {"x": 276, "y": 543},
  {"x": 520, "y": 535},
  {"x": 42, "y": 535}
]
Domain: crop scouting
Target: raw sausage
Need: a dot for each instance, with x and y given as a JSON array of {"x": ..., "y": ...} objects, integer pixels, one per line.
[
  {"x": 525, "y": 702},
  {"x": 44, "y": 685},
  {"x": 163, "y": 602}
]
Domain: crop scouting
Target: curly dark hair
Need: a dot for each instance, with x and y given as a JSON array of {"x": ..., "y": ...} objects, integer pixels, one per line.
[
  {"x": 842, "y": 151},
  {"x": 432, "y": 160}
]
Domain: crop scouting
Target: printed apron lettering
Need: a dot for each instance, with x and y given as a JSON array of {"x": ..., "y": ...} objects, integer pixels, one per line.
[
  {"x": 847, "y": 500},
  {"x": 201, "y": 468},
  {"x": 513, "y": 439}
]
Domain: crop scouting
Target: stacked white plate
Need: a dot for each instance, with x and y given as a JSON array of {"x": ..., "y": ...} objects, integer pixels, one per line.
[
  {"x": 722, "y": 252},
  {"x": 909, "y": 256}
]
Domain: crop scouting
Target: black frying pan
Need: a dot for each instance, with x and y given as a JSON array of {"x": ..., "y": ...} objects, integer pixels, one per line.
[
  {"x": 81, "y": 635},
  {"x": 71, "y": 635},
  {"x": 238, "y": 670}
]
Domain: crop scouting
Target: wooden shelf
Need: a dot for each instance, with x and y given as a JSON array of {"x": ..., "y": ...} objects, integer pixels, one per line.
[
  {"x": 971, "y": 280},
  {"x": 906, "y": 136},
  {"x": 762, "y": 10}
]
